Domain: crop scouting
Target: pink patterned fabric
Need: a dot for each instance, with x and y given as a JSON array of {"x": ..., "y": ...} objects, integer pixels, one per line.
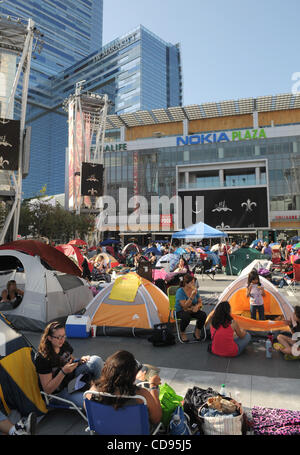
[
  {"x": 275, "y": 421},
  {"x": 158, "y": 274}
]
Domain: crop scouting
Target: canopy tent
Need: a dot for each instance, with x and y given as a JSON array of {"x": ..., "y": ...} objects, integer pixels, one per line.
[
  {"x": 199, "y": 231},
  {"x": 241, "y": 258},
  {"x": 19, "y": 387},
  {"x": 276, "y": 306},
  {"x": 48, "y": 295},
  {"x": 130, "y": 306},
  {"x": 56, "y": 260}
]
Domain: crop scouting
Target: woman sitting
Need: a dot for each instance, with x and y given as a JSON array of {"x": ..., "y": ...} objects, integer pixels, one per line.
[
  {"x": 118, "y": 377},
  {"x": 181, "y": 267},
  {"x": 11, "y": 297},
  {"x": 100, "y": 271},
  {"x": 223, "y": 328},
  {"x": 188, "y": 305},
  {"x": 56, "y": 367},
  {"x": 286, "y": 343}
]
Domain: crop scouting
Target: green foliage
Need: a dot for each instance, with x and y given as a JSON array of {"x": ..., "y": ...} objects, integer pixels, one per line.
[{"x": 41, "y": 219}]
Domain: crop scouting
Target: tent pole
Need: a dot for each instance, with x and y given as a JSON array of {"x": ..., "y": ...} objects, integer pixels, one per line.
[{"x": 228, "y": 258}]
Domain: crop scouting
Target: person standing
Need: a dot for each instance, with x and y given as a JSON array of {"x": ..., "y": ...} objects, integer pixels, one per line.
[{"x": 256, "y": 293}]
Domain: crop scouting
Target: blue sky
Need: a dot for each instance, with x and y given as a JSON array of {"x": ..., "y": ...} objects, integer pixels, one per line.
[{"x": 231, "y": 49}]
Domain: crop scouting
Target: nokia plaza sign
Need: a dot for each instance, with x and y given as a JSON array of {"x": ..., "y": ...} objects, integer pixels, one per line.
[{"x": 215, "y": 138}]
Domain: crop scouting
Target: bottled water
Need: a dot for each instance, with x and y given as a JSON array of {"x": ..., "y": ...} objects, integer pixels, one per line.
[
  {"x": 268, "y": 349},
  {"x": 223, "y": 390}
]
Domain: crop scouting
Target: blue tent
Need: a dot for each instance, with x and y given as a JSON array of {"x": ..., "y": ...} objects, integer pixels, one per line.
[
  {"x": 199, "y": 231},
  {"x": 181, "y": 251}
]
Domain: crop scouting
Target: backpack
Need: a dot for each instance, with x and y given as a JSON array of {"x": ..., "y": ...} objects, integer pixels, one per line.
[{"x": 162, "y": 335}]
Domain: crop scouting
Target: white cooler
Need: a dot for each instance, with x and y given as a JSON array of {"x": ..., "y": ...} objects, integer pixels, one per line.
[{"x": 78, "y": 326}]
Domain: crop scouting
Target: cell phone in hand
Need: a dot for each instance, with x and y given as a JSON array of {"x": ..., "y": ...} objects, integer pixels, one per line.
[{"x": 76, "y": 361}]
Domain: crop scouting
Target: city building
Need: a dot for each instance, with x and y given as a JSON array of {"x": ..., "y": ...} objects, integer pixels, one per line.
[
  {"x": 238, "y": 161},
  {"x": 138, "y": 71},
  {"x": 71, "y": 29}
]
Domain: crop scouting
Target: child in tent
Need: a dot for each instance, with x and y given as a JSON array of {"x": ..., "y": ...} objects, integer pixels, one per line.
[
  {"x": 256, "y": 293},
  {"x": 286, "y": 343}
]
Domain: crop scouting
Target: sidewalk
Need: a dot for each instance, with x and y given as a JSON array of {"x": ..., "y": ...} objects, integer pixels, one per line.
[{"x": 251, "y": 379}]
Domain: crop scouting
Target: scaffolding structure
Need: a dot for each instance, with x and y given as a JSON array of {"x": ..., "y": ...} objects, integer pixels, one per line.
[
  {"x": 18, "y": 40},
  {"x": 87, "y": 114}
]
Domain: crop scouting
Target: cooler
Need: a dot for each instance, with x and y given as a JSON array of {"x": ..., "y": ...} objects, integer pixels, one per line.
[{"x": 78, "y": 326}]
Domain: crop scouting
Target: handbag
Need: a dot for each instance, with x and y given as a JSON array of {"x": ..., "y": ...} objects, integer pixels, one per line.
[
  {"x": 209, "y": 346},
  {"x": 179, "y": 423},
  {"x": 162, "y": 335}
]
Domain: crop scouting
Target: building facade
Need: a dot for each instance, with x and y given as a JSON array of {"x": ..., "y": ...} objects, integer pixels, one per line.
[
  {"x": 137, "y": 71},
  {"x": 239, "y": 159}
]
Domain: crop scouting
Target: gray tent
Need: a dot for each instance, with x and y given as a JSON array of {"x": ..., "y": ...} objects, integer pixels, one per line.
[{"x": 48, "y": 295}]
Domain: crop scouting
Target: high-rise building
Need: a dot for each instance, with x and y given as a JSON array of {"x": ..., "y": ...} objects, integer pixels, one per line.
[
  {"x": 139, "y": 71},
  {"x": 72, "y": 29}
]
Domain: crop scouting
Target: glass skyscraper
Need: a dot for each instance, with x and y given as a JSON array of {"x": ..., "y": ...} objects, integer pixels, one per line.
[
  {"x": 139, "y": 71},
  {"x": 72, "y": 29}
]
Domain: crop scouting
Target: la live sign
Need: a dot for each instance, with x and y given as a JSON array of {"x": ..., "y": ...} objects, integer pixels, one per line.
[{"x": 215, "y": 138}]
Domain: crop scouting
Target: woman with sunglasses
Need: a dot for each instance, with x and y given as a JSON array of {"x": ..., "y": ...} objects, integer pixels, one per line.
[{"x": 55, "y": 364}]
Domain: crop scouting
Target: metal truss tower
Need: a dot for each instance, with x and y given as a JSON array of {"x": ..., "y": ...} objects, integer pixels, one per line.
[
  {"x": 87, "y": 122},
  {"x": 18, "y": 41}
]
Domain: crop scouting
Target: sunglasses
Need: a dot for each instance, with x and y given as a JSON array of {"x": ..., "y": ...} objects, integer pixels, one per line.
[{"x": 60, "y": 337}]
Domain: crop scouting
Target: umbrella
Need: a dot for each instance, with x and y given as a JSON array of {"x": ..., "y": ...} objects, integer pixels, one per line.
[
  {"x": 274, "y": 246},
  {"x": 153, "y": 250},
  {"x": 296, "y": 246},
  {"x": 172, "y": 258},
  {"x": 255, "y": 242},
  {"x": 181, "y": 251},
  {"x": 77, "y": 242},
  {"x": 109, "y": 242},
  {"x": 200, "y": 250}
]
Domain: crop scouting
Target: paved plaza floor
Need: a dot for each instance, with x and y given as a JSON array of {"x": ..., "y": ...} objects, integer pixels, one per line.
[{"x": 251, "y": 378}]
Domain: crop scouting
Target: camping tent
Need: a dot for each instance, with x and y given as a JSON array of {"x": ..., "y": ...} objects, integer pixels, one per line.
[
  {"x": 130, "y": 306},
  {"x": 19, "y": 387},
  {"x": 73, "y": 253},
  {"x": 48, "y": 295},
  {"x": 276, "y": 306},
  {"x": 55, "y": 259},
  {"x": 241, "y": 258},
  {"x": 257, "y": 264}
]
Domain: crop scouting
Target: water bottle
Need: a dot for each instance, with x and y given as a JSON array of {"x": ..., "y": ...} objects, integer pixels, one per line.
[
  {"x": 223, "y": 390},
  {"x": 270, "y": 337},
  {"x": 268, "y": 349}
]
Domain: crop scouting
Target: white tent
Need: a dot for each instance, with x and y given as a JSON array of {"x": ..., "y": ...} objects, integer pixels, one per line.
[{"x": 48, "y": 295}]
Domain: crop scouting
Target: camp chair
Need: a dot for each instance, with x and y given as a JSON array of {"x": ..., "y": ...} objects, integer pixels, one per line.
[
  {"x": 63, "y": 404},
  {"x": 208, "y": 269},
  {"x": 172, "y": 315},
  {"x": 292, "y": 283},
  {"x": 127, "y": 420}
]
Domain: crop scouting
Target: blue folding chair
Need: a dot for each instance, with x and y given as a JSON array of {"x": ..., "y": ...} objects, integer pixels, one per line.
[
  {"x": 55, "y": 402},
  {"x": 127, "y": 420}
]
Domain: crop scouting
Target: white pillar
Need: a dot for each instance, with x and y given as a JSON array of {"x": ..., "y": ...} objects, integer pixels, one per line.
[
  {"x": 257, "y": 175},
  {"x": 187, "y": 179}
]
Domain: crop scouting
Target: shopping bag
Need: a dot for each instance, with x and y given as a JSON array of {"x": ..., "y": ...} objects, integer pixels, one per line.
[{"x": 169, "y": 401}]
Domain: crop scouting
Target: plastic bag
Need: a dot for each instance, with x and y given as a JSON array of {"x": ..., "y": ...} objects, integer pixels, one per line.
[{"x": 169, "y": 401}]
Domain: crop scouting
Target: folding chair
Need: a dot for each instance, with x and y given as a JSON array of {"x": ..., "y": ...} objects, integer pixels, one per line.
[
  {"x": 63, "y": 404},
  {"x": 127, "y": 420},
  {"x": 208, "y": 269},
  {"x": 292, "y": 283},
  {"x": 172, "y": 314}
]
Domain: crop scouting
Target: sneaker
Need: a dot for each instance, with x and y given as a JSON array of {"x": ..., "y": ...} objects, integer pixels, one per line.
[{"x": 25, "y": 426}]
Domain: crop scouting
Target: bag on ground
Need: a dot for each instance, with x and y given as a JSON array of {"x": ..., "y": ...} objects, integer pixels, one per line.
[
  {"x": 162, "y": 335},
  {"x": 169, "y": 401}
]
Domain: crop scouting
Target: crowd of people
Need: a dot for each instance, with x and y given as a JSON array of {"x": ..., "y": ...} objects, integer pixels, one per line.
[{"x": 120, "y": 374}]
